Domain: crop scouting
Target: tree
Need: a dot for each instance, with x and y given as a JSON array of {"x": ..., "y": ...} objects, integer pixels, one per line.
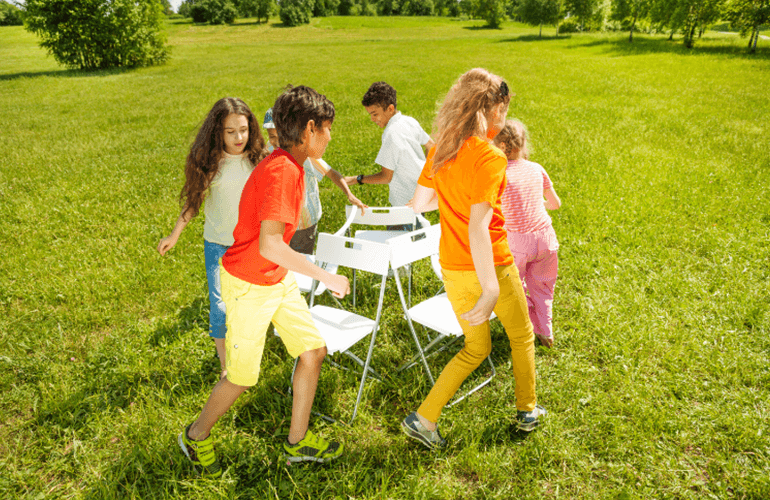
[
  {"x": 691, "y": 14},
  {"x": 493, "y": 12},
  {"x": 540, "y": 12},
  {"x": 582, "y": 9},
  {"x": 10, "y": 15},
  {"x": 95, "y": 34},
  {"x": 471, "y": 8},
  {"x": 747, "y": 16},
  {"x": 295, "y": 12},
  {"x": 634, "y": 9}
]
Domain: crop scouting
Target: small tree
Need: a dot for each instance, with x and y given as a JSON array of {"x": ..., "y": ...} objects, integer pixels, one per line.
[
  {"x": 633, "y": 9},
  {"x": 95, "y": 34},
  {"x": 493, "y": 12},
  {"x": 295, "y": 12},
  {"x": 540, "y": 12},
  {"x": 582, "y": 9},
  {"x": 10, "y": 15}
]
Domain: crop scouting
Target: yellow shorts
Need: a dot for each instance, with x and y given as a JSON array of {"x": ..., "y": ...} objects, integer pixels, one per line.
[{"x": 250, "y": 310}]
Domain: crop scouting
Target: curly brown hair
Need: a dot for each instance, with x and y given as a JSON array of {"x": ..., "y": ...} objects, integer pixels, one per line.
[
  {"x": 513, "y": 140},
  {"x": 380, "y": 93},
  {"x": 203, "y": 161}
]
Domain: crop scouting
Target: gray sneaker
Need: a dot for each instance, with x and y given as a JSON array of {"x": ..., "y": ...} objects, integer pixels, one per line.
[
  {"x": 415, "y": 430},
  {"x": 527, "y": 421}
]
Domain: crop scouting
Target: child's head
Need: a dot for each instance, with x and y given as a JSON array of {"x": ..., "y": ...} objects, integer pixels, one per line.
[
  {"x": 512, "y": 140},
  {"x": 476, "y": 105},
  {"x": 230, "y": 127},
  {"x": 269, "y": 125},
  {"x": 380, "y": 102},
  {"x": 301, "y": 113}
]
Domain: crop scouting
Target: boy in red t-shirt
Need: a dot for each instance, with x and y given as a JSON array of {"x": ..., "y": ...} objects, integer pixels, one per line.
[{"x": 258, "y": 288}]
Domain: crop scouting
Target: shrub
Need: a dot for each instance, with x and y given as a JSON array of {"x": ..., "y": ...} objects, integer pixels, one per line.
[
  {"x": 295, "y": 12},
  {"x": 95, "y": 34},
  {"x": 220, "y": 11},
  {"x": 10, "y": 15},
  {"x": 569, "y": 25},
  {"x": 323, "y": 8},
  {"x": 417, "y": 8},
  {"x": 493, "y": 12}
]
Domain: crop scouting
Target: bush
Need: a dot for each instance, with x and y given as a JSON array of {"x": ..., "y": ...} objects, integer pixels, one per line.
[
  {"x": 10, "y": 15},
  {"x": 323, "y": 8},
  {"x": 417, "y": 8},
  {"x": 221, "y": 11},
  {"x": 95, "y": 34},
  {"x": 295, "y": 12},
  {"x": 569, "y": 25},
  {"x": 493, "y": 12}
]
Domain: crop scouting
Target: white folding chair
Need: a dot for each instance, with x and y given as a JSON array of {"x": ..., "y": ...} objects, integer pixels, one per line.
[
  {"x": 435, "y": 313},
  {"x": 342, "y": 329}
]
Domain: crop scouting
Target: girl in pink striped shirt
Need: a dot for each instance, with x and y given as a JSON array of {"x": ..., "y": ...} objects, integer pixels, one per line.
[{"x": 530, "y": 233}]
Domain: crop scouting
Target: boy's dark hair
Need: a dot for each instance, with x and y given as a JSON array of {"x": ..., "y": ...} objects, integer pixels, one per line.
[
  {"x": 380, "y": 93},
  {"x": 295, "y": 108}
]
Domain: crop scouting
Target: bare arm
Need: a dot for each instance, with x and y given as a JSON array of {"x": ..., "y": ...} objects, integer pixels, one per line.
[
  {"x": 273, "y": 248},
  {"x": 169, "y": 241},
  {"x": 552, "y": 201},
  {"x": 382, "y": 177},
  {"x": 339, "y": 180},
  {"x": 424, "y": 200},
  {"x": 428, "y": 145},
  {"x": 483, "y": 262}
]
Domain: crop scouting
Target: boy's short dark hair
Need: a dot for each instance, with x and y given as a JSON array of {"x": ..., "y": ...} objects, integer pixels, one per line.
[
  {"x": 380, "y": 93},
  {"x": 295, "y": 108}
]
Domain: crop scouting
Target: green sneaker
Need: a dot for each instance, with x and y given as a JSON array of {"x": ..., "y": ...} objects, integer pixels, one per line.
[
  {"x": 200, "y": 453},
  {"x": 311, "y": 448}
]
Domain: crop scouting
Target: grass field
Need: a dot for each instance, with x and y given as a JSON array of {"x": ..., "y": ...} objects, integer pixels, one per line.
[{"x": 658, "y": 383}]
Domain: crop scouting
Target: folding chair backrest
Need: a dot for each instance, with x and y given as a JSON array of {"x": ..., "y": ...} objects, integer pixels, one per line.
[
  {"x": 383, "y": 216},
  {"x": 414, "y": 246},
  {"x": 359, "y": 254}
]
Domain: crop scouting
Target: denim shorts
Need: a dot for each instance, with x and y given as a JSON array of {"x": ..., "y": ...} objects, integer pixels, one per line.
[{"x": 217, "y": 324}]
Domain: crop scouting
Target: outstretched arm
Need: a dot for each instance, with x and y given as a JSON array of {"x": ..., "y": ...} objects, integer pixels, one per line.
[
  {"x": 273, "y": 248},
  {"x": 169, "y": 241},
  {"x": 483, "y": 262},
  {"x": 552, "y": 201},
  {"x": 382, "y": 177},
  {"x": 339, "y": 180}
]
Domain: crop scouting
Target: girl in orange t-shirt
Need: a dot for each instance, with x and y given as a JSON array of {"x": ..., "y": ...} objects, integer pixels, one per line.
[{"x": 464, "y": 177}]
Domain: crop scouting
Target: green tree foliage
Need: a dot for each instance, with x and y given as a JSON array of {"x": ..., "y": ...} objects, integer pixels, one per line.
[
  {"x": 94, "y": 34},
  {"x": 540, "y": 12},
  {"x": 582, "y": 9},
  {"x": 323, "y": 8},
  {"x": 471, "y": 8},
  {"x": 295, "y": 12},
  {"x": 417, "y": 7},
  {"x": 630, "y": 9},
  {"x": 10, "y": 15},
  {"x": 256, "y": 8},
  {"x": 167, "y": 7},
  {"x": 689, "y": 15},
  {"x": 493, "y": 12},
  {"x": 210, "y": 11},
  {"x": 747, "y": 16}
]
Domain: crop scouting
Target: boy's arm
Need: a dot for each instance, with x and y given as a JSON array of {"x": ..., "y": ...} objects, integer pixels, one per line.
[
  {"x": 273, "y": 248},
  {"x": 339, "y": 180},
  {"x": 552, "y": 201},
  {"x": 483, "y": 262},
  {"x": 428, "y": 146},
  {"x": 382, "y": 177},
  {"x": 424, "y": 200}
]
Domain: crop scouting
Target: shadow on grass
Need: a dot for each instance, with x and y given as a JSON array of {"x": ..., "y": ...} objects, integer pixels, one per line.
[
  {"x": 535, "y": 38},
  {"x": 484, "y": 27},
  {"x": 66, "y": 73},
  {"x": 642, "y": 45},
  {"x": 189, "y": 317}
]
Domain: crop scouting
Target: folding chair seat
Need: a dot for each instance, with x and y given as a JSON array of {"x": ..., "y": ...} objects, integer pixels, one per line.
[
  {"x": 342, "y": 329},
  {"x": 435, "y": 313}
]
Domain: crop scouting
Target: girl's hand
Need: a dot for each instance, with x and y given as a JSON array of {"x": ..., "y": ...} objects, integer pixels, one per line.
[
  {"x": 355, "y": 201},
  {"x": 166, "y": 244},
  {"x": 482, "y": 311},
  {"x": 338, "y": 284}
]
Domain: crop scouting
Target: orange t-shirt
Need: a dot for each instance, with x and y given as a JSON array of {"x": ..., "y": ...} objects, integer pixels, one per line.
[
  {"x": 274, "y": 191},
  {"x": 476, "y": 175}
]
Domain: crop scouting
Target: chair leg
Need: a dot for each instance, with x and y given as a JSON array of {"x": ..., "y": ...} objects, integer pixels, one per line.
[
  {"x": 411, "y": 328},
  {"x": 485, "y": 382}
]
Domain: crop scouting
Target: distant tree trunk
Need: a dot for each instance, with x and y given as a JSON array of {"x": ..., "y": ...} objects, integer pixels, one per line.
[
  {"x": 671, "y": 35},
  {"x": 700, "y": 31},
  {"x": 541, "y": 30},
  {"x": 631, "y": 33}
]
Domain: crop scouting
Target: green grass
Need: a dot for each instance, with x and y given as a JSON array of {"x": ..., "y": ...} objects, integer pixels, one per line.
[{"x": 657, "y": 386}]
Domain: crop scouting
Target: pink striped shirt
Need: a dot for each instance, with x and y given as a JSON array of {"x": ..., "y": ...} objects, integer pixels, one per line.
[{"x": 522, "y": 200}]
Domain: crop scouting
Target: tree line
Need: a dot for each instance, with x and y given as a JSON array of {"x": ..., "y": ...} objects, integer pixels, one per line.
[{"x": 95, "y": 34}]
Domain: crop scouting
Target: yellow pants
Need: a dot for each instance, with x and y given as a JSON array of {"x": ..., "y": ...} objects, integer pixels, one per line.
[{"x": 463, "y": 289}]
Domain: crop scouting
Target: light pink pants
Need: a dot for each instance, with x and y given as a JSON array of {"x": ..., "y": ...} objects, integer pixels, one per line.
[{"x": 536, "y": 256}]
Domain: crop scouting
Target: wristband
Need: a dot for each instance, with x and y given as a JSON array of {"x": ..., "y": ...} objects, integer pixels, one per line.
[{"x": 360, "y": 178}]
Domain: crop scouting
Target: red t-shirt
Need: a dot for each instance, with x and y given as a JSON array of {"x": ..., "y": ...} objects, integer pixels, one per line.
[{"x": 274, "y": 192}]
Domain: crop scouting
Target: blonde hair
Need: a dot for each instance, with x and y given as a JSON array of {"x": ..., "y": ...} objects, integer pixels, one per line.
[
  {"x": 515, "y": 138},
  {"x": 464, "y": 112}
]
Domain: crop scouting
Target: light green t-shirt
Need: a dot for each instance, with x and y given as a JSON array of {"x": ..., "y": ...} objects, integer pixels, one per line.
[{"x": 221, "y": 207}]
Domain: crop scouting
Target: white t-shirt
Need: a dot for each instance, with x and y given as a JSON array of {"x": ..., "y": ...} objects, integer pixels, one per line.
[
  {"x": 221, "y": 206},
  {"x": 401, "y": 152}
]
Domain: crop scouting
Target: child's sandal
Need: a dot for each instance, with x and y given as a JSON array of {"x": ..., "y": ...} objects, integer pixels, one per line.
[{"x": 546, "y": 341}]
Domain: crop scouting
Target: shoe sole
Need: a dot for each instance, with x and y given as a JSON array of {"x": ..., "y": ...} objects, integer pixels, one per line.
[
  {"x": 418, "y": 437},
  {"x": 291, "y": 459}
]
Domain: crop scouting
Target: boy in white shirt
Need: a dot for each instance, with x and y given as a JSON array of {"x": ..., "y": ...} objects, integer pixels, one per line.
[{"x": 401, "y": 156}]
